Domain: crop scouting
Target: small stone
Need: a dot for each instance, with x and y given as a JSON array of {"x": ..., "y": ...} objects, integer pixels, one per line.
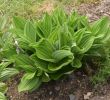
[
  {"x": 71, "y": 77},
  {"x": 72, "y": 97},
  {"x": 102, "y": 97},
  {"x": 87, "y": 96},
  {"x": 50, "y": 93},
  {"x": 57, "y": 88},
  {"x": 101, "y": 11},
  {"x": 89, "y": 15}
]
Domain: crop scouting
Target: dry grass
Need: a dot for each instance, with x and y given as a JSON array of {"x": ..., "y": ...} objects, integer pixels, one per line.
[{"x": 87, "y": 1}]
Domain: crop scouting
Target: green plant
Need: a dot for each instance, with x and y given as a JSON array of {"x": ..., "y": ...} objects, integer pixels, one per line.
[
  {"x": 51, "y": 47},
  {"x": 55, "y": 45}
]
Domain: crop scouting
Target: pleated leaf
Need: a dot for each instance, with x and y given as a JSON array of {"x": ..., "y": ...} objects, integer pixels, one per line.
[
  {"x": 29, "y": 84},
  {"x": 59, "y": 65},
  {"x": 44, "y": 50},
  {"x": 58, "y": 55},
  {"x": 30, "y": 32},
  {"x": 7, "y": 73}
]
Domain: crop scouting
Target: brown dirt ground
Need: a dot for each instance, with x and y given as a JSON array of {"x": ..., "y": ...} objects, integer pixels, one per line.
[{"x": 73, "y": 87}]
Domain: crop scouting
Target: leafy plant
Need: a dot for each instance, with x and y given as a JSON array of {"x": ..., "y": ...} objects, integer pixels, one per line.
[
  {"x": 51, "y": 47},
  {"x": 55, "y": 45}
]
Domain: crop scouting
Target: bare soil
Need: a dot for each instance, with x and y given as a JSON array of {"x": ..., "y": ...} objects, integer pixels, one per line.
[{"x": 73, "y": 87}]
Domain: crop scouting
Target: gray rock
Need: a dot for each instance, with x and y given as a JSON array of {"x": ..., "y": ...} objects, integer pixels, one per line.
[
  {"x": 50, "y": 93},
  {"x": 72, "y": 97},
  {"x": 57, "y": 88}
]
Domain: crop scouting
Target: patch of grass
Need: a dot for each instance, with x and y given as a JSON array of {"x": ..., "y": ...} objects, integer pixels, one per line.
[
  {"x": 103, "y": 72},
  {"x": 17, "y": 7},
  {"x": 88, "y": 1}
]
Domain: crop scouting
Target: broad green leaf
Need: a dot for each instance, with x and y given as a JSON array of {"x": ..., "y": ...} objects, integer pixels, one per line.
[
  {"x": 22, "y": 59},
  {"x": 20, "y": 34},
  {"x": 7, "y": 73},
  {"x": 100, "y": 27},
  {"x": 86, "y": 43},
  {"x": 40, "y": 30},
  {"x": 44, "y": 27},
  {"x": 66, "y": 69},
  {"x": 30, "y": 75},
  {"x": 44, "y": 50},
  {"x": 59, "y": 16},
  {"x": 5, "y": 64},
  {"x": 57, "y": 66},
  {"x": 106, "y": 36},
  {"x": 85, "y": 22},
  {"x": 78, "y": 35},
  {"x": 47, "y": 24},
  {"x": 24, "y": 44},
  {"x": 27, "y": 68},
  {"x": 53, "y": 37},
  {"x": 19, "y": 22},
  {"x": 30, "y": 32},
  {"x": 2, "y": 96},
  {"x": 9, "y": 53},
  {"x": 41, "y": 64},
  {"x": 24, "y": 62},
  {"x": 58, "y": 55},
  {"x": 29, "y": 84},
  {"x": 65, "y": 37}
]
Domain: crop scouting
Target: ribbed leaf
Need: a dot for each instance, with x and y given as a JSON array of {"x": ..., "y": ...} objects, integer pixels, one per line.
[
  {"x": 30, "y": 75},
  {"x": 30, "y": 32},
  {"x": 58, "y": 55},
  {"x": 59, "y": 65},
  {"x": 4, "y": 65},
  {"x": 44, "y": 50},
  {"x": 19, "y": 22},
  {"x": 7, "y": 73},
  {"x": 41, "y": 64},
  {"x": 86, "y": 43},
  {"x": 65, "y": 37},
  {"x": 100, "y": 27},
  {"x": 78, "y": 35},
  {"x": 25, "y": 62},
  {"x": 29, "y": 84},
  {"x": 53, "y": 37},
  {"x": 47, "y": 24},
  {"x": 66, "y": 69},
  {"x": 22, "y": 59},
  {"x": 44, "y": 27}
]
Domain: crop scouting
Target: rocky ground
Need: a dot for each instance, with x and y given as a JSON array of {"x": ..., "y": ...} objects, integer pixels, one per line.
[{"x": 74, "y": 87}]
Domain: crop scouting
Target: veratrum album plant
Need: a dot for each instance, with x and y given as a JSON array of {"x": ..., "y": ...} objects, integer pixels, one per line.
[{"x": 51, "y": 47}]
